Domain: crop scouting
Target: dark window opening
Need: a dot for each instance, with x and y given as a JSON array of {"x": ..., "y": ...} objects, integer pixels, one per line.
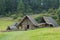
[{"x": 27, "y": 26}]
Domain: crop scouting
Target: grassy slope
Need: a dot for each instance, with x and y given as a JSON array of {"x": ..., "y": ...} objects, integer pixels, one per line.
[
  {"x": 37, "y": 34},
  {"x": 4, "y": 24},
  {"x": 40, "y": 15}
]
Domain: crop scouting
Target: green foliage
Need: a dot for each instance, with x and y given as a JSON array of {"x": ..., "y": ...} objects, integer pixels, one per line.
[
  {"x": 38, "y": 19},
  {"x": 10, "y": 7},
  {"x": 58, "y": 13}
]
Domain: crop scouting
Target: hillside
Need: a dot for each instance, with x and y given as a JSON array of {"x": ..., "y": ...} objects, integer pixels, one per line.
[
  {"x": 12, "y": 11},
  {"x": 7, "y": 21},
  {"x": 37, "y": 34}
]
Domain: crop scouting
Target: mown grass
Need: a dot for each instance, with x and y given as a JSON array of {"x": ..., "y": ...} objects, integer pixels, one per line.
[{"x": 37, "y": 34}]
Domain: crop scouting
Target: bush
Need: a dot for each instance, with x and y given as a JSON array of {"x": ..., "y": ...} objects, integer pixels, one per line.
[{"x": 38, "y": 19}]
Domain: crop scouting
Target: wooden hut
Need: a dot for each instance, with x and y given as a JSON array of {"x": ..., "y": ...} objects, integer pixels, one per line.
[
  {"x": 28, "y": 23},
  {"x": 48, "y": 21}
]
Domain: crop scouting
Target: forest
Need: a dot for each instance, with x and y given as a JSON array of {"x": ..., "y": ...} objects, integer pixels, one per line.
[
  {"x": 10, "y": 7},
  {"x": 20, "y": 8}
]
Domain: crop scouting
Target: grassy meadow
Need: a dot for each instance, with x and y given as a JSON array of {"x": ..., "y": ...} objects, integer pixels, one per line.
[
  {"x": 37, "y": 34},
  {"x": 5, "y": 23}
]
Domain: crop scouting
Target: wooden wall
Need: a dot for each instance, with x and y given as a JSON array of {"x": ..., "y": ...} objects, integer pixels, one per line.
[{"x": 25, "y": 23}]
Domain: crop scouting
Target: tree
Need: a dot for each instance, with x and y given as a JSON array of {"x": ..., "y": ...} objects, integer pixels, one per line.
[{"x": 58, "y": 14}]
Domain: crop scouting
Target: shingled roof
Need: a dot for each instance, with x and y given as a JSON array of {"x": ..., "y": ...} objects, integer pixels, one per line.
[
  {"x": 31, "y": 19},
  {"x": 50, "y": 20}
]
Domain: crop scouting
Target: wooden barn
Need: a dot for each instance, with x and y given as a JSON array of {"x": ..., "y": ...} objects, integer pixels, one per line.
[
  {"x": 28, "y": 23},
  {"x": 48, "y": 21}
]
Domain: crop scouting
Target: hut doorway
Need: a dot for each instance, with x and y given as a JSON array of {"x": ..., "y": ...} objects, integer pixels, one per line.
[
  {"x": 51, "y": 25},
  {"x": 27, "y": 26}
]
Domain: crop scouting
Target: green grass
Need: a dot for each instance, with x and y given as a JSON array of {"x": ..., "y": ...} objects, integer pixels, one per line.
[
  {"x": 37, "y": 34},
  {"x": 40, "y": 15},
  {"x": 5, "y": 23}
]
